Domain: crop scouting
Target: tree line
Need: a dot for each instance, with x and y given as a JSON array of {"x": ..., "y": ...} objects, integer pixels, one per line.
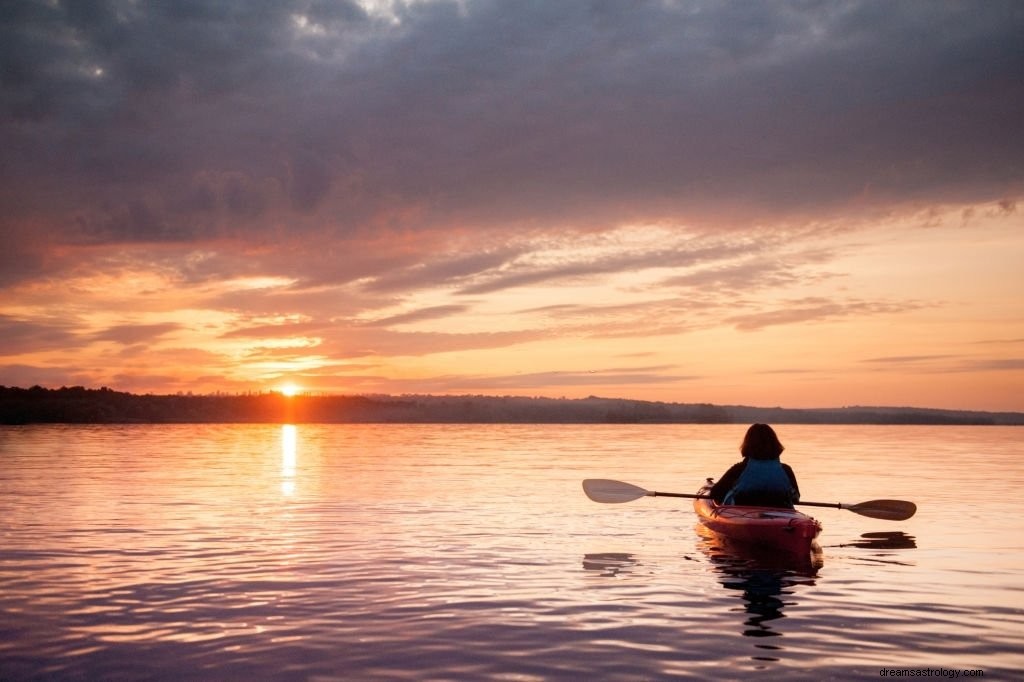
[{"x": 80, "y": 405}]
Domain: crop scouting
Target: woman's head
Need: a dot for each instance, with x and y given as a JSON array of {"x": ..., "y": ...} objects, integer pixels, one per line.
[{"x": 761, "y": 443}]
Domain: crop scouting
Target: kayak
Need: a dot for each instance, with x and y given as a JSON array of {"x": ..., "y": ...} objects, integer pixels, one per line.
[{"x": 784, "y": 529}]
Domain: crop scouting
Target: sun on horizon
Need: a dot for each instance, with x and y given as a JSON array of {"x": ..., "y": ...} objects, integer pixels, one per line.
[{"x": 289, "y": 389}]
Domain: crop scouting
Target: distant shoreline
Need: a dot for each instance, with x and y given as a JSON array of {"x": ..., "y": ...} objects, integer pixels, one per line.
[{"x": 79, "y": 405}]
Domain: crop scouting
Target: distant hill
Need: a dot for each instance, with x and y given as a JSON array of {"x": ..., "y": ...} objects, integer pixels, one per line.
[{"x": 78, "y": 405}]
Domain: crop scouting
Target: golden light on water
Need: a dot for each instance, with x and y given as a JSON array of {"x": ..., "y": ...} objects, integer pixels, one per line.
[{"x": 289, "y": 459}]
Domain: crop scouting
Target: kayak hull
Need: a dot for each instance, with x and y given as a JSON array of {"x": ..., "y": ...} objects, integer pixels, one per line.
[{"x": 786, "y": 530}]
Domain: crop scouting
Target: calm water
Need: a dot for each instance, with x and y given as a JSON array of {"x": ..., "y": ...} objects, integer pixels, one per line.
[{"x": 470, "y": 552}]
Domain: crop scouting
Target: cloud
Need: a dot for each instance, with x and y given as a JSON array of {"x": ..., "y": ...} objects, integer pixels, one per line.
[
  {"x": 29, "y": 336},
  {"x": 351, "y": 338},
  {"x": 136, "y": 122},
  {"x": 681, "y": 253},
  {"x": 905, "y": 359},
  {"x": 1002, "y": 341},
  {"x": 547, "y": 380},
  {"x": 33, "y": 375},
  {"x": 361, "y": 342},
  {"x": 431, "y": 313},
  {"x": 444, "y": 270},
  {"x": 755, "y": 272},
  {"x": 950, "y": 363},
  {"x": 295, "y": 184},
  {"x": 1000, "y": 364},
  {"x": 128, "y": 334},
  {"x": 277, "y": 330},
  {"x": 812, "y": 309}
]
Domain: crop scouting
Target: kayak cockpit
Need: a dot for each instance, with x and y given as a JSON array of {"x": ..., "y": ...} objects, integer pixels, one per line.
[{"x": 785, "y": 529}]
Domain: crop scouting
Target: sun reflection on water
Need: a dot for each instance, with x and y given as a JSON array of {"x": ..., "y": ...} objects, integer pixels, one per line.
[{"x": 289, "y": 459}]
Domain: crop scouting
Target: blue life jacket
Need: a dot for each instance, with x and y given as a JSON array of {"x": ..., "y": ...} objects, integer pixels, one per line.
[{"x": 763, "y": 483}]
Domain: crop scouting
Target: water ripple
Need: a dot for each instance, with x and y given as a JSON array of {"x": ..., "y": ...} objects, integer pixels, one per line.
[{"x": 408, "y": 553}]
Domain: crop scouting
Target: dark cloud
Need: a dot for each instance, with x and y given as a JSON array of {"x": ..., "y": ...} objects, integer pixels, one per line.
[
  {"x": 32, "y": 375},
  {"x": 302, "y": 128},
  {"x": 22, "y": 257},
  {"x": 128, "y": 334},
  {"x": 432, "y": 313},
  {"x": 139, "y": 121},
  {"x": 30, "y": 336}
]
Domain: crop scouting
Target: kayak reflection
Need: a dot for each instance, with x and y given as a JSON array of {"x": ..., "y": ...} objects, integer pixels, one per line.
[{"x": 763, "y": 579}]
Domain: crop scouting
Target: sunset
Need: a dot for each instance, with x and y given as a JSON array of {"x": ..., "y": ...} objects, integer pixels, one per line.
[
  {"x": 540, "y": 340},
  {"x": 774, "y": 204}
]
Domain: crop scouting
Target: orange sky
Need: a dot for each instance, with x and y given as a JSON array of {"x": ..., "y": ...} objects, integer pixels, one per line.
[{"x": 733, "y": 203}]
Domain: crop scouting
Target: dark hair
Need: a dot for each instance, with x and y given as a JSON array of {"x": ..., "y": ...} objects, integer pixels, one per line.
[{"x": 761, "y": 443}]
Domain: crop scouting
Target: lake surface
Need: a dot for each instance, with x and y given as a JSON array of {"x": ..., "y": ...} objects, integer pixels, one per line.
[{"x": 415, "y": 552}]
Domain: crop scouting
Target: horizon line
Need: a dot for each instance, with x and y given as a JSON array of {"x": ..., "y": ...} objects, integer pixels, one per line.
[{"x": 314, "y": 394}]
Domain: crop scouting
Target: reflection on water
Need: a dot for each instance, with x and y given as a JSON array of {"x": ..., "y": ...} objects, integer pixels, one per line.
[
  {"x": 762, "y": 590},
  {"x": 409, "y": 552},
  {"x": 289, "y": 459},
  {"x": 609, "y": 564},
  {"x": 765, "y": 580},
  {"x": 884, "y": 540}
]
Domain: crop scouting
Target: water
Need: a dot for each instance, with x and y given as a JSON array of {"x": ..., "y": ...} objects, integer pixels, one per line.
[{"x": 470, "y": 552}]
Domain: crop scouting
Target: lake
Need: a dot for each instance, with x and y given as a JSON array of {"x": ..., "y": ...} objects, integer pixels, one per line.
[{"x": 461, "y": 552}]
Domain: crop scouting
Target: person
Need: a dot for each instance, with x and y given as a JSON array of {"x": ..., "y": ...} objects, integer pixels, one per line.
[{"x": 760, "y": 480}]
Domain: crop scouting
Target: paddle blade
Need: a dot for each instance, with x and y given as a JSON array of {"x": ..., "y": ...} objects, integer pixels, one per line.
[
  {"x": 890, "y": 510},
  {"x": 611, "y": 492}
]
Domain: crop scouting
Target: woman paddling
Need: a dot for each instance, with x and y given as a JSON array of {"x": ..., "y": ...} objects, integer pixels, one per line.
[{"x": 760, "y": 480}]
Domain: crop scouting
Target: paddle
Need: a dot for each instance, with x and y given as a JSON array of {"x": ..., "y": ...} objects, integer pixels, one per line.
[{"x": 608, "y": 491}]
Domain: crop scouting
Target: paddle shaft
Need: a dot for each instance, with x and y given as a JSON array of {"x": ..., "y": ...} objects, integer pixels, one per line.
[
  {"x": 691, "y": 496},
  {"x": 832, "y": 505}
]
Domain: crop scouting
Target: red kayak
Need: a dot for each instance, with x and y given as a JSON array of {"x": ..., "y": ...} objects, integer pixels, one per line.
[{"x": 786, "y": 529}]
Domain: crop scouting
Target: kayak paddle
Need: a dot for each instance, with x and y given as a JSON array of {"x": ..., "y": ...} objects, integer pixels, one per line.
[{"x": 612, "y": 492}]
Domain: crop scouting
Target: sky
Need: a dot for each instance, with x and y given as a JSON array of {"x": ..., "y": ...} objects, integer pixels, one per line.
[{"x": 797, "y": 204}]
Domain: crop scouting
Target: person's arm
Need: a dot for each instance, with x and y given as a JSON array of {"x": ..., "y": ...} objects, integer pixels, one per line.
[
  {"x": 720, "y": 489},
  {"x": 792, "y": 479}
]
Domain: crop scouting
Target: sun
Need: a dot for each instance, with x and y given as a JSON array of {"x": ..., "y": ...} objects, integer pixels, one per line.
[{"x": 289, "y": 389}]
